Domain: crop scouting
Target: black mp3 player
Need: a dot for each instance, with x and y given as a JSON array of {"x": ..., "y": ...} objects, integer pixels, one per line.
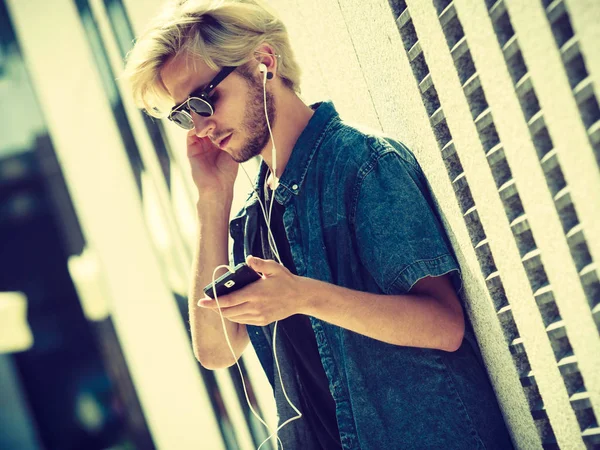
[{"x": 229, "y": 282}]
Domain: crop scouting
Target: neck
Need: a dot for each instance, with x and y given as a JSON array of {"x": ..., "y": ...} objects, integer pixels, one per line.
[{"x": 292, "y": 118}]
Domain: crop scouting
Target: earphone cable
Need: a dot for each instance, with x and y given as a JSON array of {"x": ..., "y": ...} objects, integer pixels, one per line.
[
  {"x": 225, "y": 266},
  {"x": 275, "y": 251}
]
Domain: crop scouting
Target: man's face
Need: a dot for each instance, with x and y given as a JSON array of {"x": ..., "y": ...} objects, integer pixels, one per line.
[{"x": 238, "y": 125}]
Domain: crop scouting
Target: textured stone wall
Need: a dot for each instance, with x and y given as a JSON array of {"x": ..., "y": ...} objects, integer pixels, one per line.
[{"x": 498, "y": 100}]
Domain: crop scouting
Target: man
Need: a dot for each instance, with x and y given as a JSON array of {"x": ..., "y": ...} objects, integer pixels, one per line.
[{"x": 374, "y": 347}]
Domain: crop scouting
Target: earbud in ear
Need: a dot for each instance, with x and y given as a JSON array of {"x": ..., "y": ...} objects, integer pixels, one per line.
[{"x": 263, "y": 69}]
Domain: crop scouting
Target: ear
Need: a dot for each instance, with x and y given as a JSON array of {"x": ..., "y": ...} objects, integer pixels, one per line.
[{"x": 266, "y": 55}]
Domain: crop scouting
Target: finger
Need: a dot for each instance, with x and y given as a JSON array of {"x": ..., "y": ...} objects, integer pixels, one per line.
[
  {"x": 193, "y": 142},
  {"x": 198, "y": 145},
  {"x": 246, "y": 319},
  {"x": 225, "y": 301},
  {"x": 192, "y": 137},
  {"x": 205, "y": 301},
  {"x": 235, "y": 311},
  {"x": 267, "y": 267},
  {"x": 209, "y": 303}
]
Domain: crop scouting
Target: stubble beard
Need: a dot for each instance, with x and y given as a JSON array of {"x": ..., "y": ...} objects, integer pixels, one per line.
[{"x": 255, "y": 123}]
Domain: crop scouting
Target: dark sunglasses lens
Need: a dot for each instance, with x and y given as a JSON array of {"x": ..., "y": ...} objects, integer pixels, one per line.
[
  {"x": 182, "y": 119},
  {"x": 200, "y": 107}
]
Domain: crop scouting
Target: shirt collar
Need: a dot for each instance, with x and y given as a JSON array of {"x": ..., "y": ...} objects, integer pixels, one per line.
[{"x": 305, "y": 148}]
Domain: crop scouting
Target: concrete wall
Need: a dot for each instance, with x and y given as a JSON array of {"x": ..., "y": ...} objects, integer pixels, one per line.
[{"x": 498, "y": 100}]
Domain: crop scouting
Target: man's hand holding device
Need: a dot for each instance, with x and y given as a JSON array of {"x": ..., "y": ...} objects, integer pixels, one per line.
[
  {"x": 229, "y": 282},
  {"x": 277, "y": 295}
]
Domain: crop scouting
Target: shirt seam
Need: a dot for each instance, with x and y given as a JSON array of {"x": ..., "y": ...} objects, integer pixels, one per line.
[
  {"x": 368, "y": 167},
  {"x": 446, "y": 260},
  {"x": 309, "y": 158}
]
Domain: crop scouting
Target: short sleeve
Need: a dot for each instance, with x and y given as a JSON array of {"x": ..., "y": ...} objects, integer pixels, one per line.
[{"x": 399, "y": 236}]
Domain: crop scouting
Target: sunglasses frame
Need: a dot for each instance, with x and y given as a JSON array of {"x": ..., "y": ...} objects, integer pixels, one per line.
[{"x": 202, "y": 95}]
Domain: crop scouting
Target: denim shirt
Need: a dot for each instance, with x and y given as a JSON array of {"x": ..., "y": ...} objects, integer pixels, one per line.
[{"x": 358, "y": 214}]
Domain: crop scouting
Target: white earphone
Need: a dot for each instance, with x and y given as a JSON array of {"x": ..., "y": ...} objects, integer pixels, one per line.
[
  {"x": 262, "y": 68},
  {"x": 267, "y": 75}
]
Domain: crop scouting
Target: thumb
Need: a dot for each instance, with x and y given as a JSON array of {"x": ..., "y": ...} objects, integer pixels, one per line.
[{"x": 264, "y": 266}]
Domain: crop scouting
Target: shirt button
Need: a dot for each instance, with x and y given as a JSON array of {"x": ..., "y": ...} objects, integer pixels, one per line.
[{"x": 295, "y": 187}]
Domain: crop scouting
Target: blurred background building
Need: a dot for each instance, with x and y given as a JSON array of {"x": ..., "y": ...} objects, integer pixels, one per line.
[{"x": 497, "y": 98}]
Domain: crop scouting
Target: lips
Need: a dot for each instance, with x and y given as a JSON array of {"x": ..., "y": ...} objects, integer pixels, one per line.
[{"x": 223, "y": 143}]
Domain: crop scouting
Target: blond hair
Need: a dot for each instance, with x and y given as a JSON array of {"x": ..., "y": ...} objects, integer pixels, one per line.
[{"x": 220, "y": 32}]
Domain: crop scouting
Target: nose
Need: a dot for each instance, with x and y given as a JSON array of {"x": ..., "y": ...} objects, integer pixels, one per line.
[{"x": 204, "y": 125}]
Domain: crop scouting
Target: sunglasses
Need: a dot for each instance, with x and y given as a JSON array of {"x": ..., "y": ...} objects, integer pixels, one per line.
[{"x": 198, "y": 102}]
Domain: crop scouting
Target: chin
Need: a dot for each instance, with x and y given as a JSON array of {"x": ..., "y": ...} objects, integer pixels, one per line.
[
  {"x": 246, "y": 153},
  {"x": 237, "y": 156},
  {"x": 240, "y": 159}
]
